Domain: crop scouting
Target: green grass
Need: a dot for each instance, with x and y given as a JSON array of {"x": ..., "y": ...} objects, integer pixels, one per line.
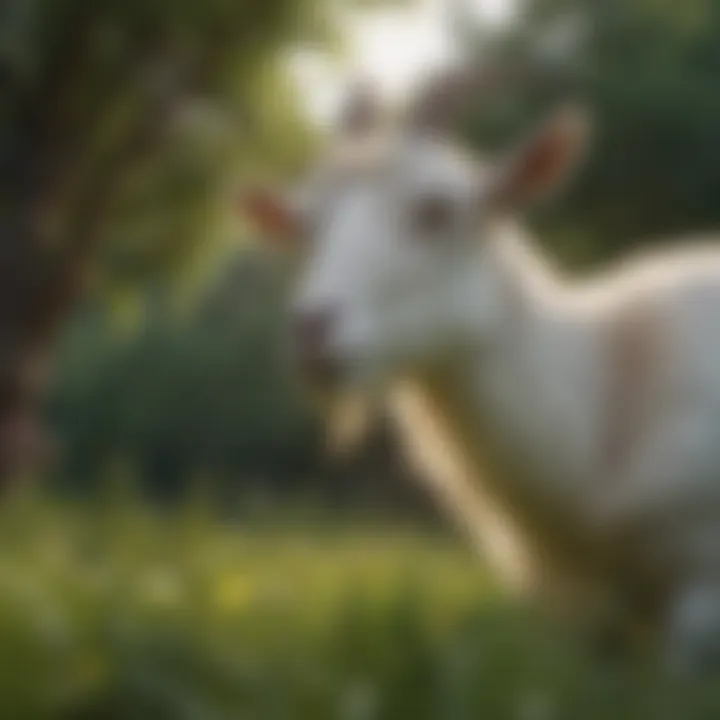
[{"x": 122, "y": 614}]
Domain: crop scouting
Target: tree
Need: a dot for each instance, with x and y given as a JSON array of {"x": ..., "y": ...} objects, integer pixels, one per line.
[{"x": 121, "y": 122}]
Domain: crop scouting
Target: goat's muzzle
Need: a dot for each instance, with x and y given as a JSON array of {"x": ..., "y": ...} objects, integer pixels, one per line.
[{"x": 313, "y": 357}]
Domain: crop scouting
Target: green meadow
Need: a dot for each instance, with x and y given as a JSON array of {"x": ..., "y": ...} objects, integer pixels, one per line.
[{"x": 114, "y": 611}]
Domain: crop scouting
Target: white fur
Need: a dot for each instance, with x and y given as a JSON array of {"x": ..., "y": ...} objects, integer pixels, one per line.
[{"x": 500, "y": 371}]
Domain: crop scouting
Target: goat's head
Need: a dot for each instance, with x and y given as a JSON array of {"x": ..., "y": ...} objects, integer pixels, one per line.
[{"x": 393, "y": 225}]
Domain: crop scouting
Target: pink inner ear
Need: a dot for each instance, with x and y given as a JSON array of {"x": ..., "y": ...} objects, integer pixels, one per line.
[
  {"x": 538, "y": 169},
  {"x": 270, "y": 214},
  {"x": 545, "y": 162}
]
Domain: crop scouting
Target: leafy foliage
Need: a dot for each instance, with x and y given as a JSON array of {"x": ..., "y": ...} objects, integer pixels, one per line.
[
  {"x": 205, "y": 391},
  {"x": 648, "y": 71},
  {"x": 89, "y": 77}
]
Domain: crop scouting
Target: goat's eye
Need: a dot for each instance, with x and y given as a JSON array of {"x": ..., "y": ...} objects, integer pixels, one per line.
[{"x": 432, "y": 214}]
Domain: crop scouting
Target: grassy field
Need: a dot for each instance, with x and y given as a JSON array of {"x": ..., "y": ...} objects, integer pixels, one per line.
[{"x": 118, "y": 613}]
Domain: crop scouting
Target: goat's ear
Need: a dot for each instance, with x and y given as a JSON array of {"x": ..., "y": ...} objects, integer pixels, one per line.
[
  {"x": 271, "y": 214},
  {"x": 544, "y": 163}
]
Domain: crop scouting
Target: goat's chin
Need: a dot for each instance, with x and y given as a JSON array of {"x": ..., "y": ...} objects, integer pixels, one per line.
[
  {"x": 348, "y": 402},
  {"x": 349, "y": 420},
  {"x": 349, "y": 410}
]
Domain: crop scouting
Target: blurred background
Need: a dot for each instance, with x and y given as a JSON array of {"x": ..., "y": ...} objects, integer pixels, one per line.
[{"x": 174, "y": 541}]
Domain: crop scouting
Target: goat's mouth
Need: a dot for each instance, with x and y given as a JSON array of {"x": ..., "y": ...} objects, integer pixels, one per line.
[
  {"x": 322, "y": 376},
  {"x": 326, "y": 370},
  {"x": 323, "y": 372},
  {"x": 334, "y": 379},
  {"x": 346, "y": 393}
]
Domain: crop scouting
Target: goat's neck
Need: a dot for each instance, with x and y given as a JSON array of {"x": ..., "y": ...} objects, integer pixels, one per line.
[
  {"x": 483, "y": 395},
  {"x": 530, "y": 303},
  {"x": 469, "y": 420},
  {"x": 506, "y": 432}
]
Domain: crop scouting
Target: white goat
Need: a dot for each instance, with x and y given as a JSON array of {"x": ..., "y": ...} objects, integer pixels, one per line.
[{"x": 572, "y": 427}]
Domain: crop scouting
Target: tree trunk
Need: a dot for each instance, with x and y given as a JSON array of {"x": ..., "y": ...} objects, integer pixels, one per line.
[{"x": 43, "y": 272}]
